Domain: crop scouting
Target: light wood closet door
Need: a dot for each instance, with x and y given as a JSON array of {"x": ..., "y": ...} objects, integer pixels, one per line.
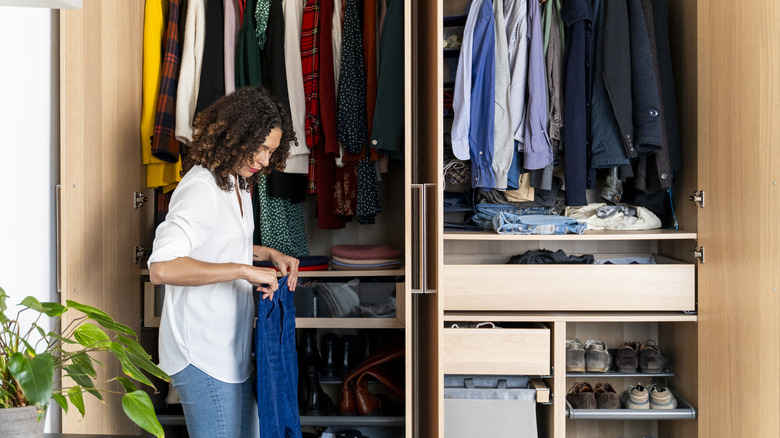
[
  {"x": 739, "y": 170},
  {"x": 100, "y": 108}
]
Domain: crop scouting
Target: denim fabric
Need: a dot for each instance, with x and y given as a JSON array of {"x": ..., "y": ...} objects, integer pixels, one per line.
[
  {"x": 485, "y": 213},
  {"x": 215, "y": 409},
  {"x": 511, "y": 223},
  {"x": 277, "y": 365}
]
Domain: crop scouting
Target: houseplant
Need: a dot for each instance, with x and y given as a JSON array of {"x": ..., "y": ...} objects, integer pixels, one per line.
[{"x": 28, "y": 367}]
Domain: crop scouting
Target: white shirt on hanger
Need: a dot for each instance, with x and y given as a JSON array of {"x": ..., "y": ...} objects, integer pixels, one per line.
[
  {"x": 298, "y": 161},
  {"x": 189, "y": 72},
  {"x": 210, "y": 326}
]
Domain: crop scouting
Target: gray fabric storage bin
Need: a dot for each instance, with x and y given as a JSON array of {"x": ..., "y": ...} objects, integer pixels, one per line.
[{"x": 489, "y": 406}]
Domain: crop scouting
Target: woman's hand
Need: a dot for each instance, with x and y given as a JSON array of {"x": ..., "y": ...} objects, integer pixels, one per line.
[
  {"x": 287, "y": 266},
  {"x": 264, "y": 279}
]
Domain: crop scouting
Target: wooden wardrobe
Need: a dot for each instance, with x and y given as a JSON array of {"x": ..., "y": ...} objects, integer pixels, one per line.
[{"x": 726, "y": 353}]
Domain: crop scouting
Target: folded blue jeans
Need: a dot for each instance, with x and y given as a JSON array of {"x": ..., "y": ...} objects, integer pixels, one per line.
[
  {"x": 216, "y": 409},
  {"x": 277, "y": 365},
  {"x": 510, "y": 223},
  {"x": 485, "y": 213}
]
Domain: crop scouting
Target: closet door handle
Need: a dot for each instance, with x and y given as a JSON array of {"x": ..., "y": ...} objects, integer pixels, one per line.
[
  {"x": 424, "y": 235},
  {"x": 417, "y": 240},
  {"x": 58, "y": 238}
]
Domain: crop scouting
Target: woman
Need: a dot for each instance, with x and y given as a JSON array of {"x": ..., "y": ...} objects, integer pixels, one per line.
[{"x": 203, "y": 254}]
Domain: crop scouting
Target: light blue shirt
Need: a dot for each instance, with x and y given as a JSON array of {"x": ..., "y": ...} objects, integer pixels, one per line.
[
  {"x": 461, "y": 99},
  {"x": 537, "y": 148}
]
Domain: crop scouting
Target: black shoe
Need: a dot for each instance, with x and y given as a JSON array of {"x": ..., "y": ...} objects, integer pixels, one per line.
[
  {"x": 307, "y": 349},
  {"x": 350, "y": 434},
  {"x": 330, "y": 350},
  {"x": 349, "y": 354},
  {"x": 317, "y": 401},
  {"x": 369, "y": 341}
]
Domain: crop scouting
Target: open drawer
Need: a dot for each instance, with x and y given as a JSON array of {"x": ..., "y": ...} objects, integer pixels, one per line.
[
  {"x": 523, "y": 350},
  {"x": 668, "y": 285}
]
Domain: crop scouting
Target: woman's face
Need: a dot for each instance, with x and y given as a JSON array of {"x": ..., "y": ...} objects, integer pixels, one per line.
[{"x": 263, "y": 154}]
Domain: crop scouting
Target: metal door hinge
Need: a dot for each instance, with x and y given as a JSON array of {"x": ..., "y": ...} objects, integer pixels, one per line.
[
  {"x": 139, "y": 199},
  {"x": 140, "y": 253},
  {"x": 698, "y": 254},
  {"x": 698, "y": 198}
]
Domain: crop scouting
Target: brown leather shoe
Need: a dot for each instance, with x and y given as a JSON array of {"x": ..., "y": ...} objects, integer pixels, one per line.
[
  {"x": 367, "y": 403},
  {"x": 386, "y": 353},
  {"x": 581, "y": 396},
  {"x": 606, "y": 397},
  {"x": 650, "y": 359}
]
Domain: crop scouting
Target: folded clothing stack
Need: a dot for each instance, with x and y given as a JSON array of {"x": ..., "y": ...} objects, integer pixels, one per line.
[
  {"x": 364, "y": 257},
  {"x": 306, "y": 263}
]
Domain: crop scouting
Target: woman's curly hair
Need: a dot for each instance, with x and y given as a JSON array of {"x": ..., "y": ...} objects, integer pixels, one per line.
[{"x": 229, "y": 132}]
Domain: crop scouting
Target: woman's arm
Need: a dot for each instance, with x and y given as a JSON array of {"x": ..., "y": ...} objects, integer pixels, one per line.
[
  {"x": 285, "y": 264},
  {"x": 186, "y": 271}
]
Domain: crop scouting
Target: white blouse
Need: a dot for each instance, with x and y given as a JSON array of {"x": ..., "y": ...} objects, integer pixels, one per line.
[{"x": 207, "y": 326}]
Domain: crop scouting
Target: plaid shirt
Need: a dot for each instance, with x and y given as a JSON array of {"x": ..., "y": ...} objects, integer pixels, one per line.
[
  {"x": 164, "y": 143},
  {"x": 310, "y": 63}
]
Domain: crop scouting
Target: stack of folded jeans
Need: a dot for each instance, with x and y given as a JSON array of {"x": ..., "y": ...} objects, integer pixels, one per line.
[{"x": 364, "y": 257}]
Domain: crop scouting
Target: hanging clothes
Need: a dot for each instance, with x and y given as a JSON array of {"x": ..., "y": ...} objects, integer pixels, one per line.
[
  {"x": 461, "y": 99},
  {"x": 191, "y": 64},
  {"x": 310, "y": 64},
  {"x": 503, "y": 147},
  {"x": 212, "y": 76},
  {"x": 351, "y": 98},
  {"x": 576, "y": 16},
  {"x": 554, "y": 59},
  {"x": 482, "y": 112},
  {"x": 516, "y": 17},
  {"x": 248, "y": 65},
  {"x": 668, "y": 99},
  {"x": 387, "y": 132},
  {"x": 277, "y": 365},
  {"x": 163, "y": 171},
  {"x": 282, "y": 224},
  {"x": 298, "y": 161},
  {"x": 232, "y": 26},
  {"x": 537, "y": 151},
  {"x": 272, "y": 62},
  {"x": 328, "y": 146},
  {"x": 262, "y": 10}
]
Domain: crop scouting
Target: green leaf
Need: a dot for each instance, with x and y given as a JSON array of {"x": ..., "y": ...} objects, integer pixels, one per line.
[
  {"x": 53, "y": 309},
  {"x": 82, "y": 379},
  {"x": 84, "y": 362},
  {"x": 88, "y": 310},
  {"x": 89, "y": 335},
  {"x": 127, "y": 366},
  {"x": 61, "y": 339},
  {"x": 113, "y": 325},
  {"x": 142, "y": 359},
  {"x": 41, "y": 332},
  {"x": 32, "y": 303},
  {"x": 139, "y": 408},
  {"x": 127, "y": 383},
  {"x": 35, "y": 376},
  {"x": 3, "y": 296},
  {"x": 74, "y": 394},
  {"x": 62, "y": 401}
]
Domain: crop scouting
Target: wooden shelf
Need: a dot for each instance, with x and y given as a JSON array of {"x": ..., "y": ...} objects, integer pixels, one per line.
[
  {"x": 336, "y": 274},
  {"x": 571, "y": 316},
  {"x": 358, "y": 323},
  {"x": 347, "y": 420},
  {"x": 587, "y": 235}
]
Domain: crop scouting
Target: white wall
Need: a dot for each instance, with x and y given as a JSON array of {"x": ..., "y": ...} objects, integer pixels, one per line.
[{"x": 29, "y": 156}]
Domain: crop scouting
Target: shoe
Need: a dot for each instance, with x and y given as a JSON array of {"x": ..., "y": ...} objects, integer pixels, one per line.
[
  {"x": 606, "y": 397},
  {"x": 597, "y": 358},
  {"x": 626, "y": 358},
  {"x": 317, "y": 401},
  {"x": 650, "y": 358},
  {"x": 575, "y": 356},
  {"x": 662, "y": 398},
  {"x": 369, "y": 341},
  {"x": 330, "y": 352},
  {"x": 581, "y": 396},
  {"x": 349, "y": 353},
  {"x": 635, "y": 397},
  {"x": 308, "y": 354}
]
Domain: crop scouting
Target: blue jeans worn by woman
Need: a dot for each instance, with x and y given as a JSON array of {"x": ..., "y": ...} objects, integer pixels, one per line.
[{"x": 215, "y": 409}]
